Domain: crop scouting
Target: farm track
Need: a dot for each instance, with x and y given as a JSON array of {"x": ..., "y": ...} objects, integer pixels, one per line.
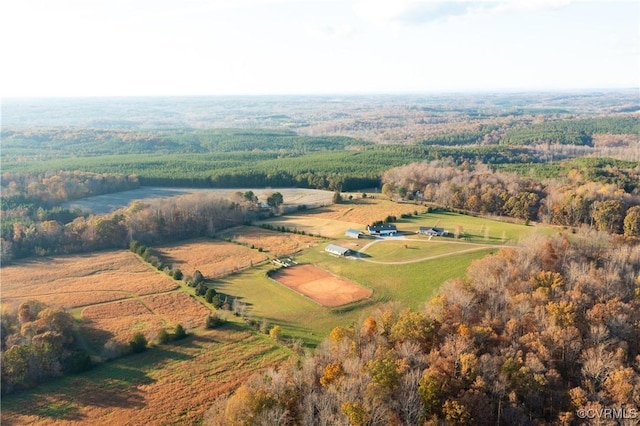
[{"x": 422, "y": 259}]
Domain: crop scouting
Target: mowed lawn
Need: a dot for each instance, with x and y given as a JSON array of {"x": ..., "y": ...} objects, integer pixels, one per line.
[
  {"x": 471, "y": 228},
  {"x": 414, "y": 250},
  {"x": 410, "y": 284}
]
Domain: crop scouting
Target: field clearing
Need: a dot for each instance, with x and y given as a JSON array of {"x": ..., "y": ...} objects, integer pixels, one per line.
[
  {"x": 122, "y": 319},
  {"x": 80, "y": 280},
  {"x": 398, "y": 250},
  {"x": 312, "y": 224},
  {"x": 171, "y": 384},
  {"x": 321, "y": 286},
  {"x": 365, "y": 211},
  {"x": 110, "y": 202},
  {"x": 119, "y": 321},
  {"x": 211, "y": 257},
  {"x": 273, "y": 242}
]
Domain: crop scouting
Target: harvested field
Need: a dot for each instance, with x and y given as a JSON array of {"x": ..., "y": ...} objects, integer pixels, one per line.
[
  {"x": 122, "y": 319},
  {"x": 80, "y": 280},
  {"x": 212, "y": 258},
  {"x": 170, "y": 384},
  {"x": 177, "y": 308},
  {"x": 119, "y": 321},
  {"x": 321, "y": 286},
  {"x": 275, "y": 243},
  {"x": 109, "y": 202},
  {"x": 316, "y": 225},
  {"x": 365, "y": 211}
]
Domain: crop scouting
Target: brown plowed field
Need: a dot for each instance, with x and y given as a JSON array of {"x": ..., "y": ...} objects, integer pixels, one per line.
[
  {"x": 275, "y": 243},
  {"x": 321, "y": 286},
  {"x": 79, "y": 280},
  {"x": 212, "y": 258}
]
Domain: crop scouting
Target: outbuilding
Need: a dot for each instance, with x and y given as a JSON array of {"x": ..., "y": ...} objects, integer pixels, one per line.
[
  {"x": 354, "y": 233},
  {"x": 337, "y": 250}
]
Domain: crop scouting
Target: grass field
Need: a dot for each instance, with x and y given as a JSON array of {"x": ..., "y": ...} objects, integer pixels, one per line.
[
  {"x": 211, "y": 257},
  {"x": 473, "y": 229},
  {"x": 79, "y": 280},
  {"x": 414, "y": 249},
  {"x": 272, "y": 242},
  {"x": 171, "y": 384},
  {"x": 365, "y": 211},
  {"x": 116, "y": 295}
]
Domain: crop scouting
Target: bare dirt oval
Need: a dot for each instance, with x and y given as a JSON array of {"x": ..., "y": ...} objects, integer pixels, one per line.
[{"x": 321, "y": 286}]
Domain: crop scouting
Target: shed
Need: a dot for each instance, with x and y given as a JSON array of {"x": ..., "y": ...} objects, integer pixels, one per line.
[
  {"x": 353, "y": 233},
  {"x": 337, "y": 250}
]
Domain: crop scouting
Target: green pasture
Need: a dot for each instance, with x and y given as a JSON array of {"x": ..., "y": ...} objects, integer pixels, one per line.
[
  {"x": 414, "y": 249},
  {"x": 410, "y": 284},
  {"x": 472, "y": 229}
]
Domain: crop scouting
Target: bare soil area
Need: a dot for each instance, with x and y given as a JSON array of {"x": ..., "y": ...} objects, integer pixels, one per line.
[{"x": 321, "y": 286}]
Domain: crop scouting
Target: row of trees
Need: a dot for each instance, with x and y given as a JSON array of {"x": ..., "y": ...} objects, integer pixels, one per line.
[
  {"x": 172, "y": 219},
  {"x": 535, "y": 334},
  {"x": 476, "y": 188}
]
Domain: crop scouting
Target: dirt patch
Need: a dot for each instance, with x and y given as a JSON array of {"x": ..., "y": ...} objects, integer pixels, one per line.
[{"x": 321, "y": 286}]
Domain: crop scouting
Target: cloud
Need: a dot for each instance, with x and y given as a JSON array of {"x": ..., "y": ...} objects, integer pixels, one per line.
[
  {"x": 329, "y": 31},
  {"x": 419, "y": 12}
]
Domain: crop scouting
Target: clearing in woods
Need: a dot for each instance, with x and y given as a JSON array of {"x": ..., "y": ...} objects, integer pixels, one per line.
[
  {"x": 321, "y": 286},
  {"x": 273, "y": 242},
  {"x": 80, "y": 280}
]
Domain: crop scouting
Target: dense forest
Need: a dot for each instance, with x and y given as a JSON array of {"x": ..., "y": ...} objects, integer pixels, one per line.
[{"x": 532, "y": 335}]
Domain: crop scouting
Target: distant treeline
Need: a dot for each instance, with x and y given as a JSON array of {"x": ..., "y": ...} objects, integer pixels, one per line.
[
  {"x": 345, "y": 170},
  {"x": 570, "y": 132},
  {"x": 60, "y": 143}
]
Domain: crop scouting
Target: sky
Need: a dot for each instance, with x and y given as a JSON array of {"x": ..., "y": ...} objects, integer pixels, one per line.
[{"x": 69, "y": 48}]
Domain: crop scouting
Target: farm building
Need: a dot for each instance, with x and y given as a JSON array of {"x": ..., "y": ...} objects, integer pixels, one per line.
[
  {"x": 285, "y": 262},
  {"x": 353, "y": 233},
  {"x": 429, "y": 230},
  {"x": 337, "y": 250},
  {"x": 384, "y": 229}
]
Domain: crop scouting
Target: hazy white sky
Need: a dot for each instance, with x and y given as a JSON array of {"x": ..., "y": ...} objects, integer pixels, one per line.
[{"x": 210, "y": 47}]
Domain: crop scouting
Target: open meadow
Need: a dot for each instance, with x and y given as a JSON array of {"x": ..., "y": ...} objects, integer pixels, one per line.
[
  {"x": 365, "y": 211},
  {"x": 170, "y": 384},
  {"x": 272, "y": 242},
  {"x": 213, "y": 258},
  {"x": 80, "y": 280}
]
